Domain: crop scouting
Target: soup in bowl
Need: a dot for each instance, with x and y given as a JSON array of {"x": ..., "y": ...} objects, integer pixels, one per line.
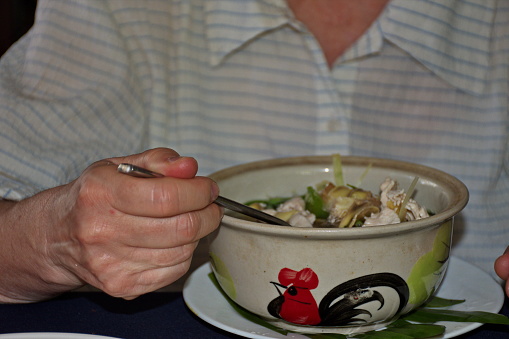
[{"x": 333, "y": 279}]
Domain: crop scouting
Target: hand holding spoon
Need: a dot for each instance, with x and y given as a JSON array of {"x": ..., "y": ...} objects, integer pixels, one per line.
[{"x": 232, "y": 205}]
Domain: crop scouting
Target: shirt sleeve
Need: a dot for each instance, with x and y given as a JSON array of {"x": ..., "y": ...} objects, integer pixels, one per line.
[{"x": 68, "y": 97}]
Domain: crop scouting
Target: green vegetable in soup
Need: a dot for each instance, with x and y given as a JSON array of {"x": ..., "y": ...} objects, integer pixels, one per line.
[
  {"x": 315, "y": 204},
  {"x": 268, "y": 203}
]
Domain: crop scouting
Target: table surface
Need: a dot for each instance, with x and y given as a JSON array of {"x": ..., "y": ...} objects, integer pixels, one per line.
[{"x": 155, "y": 315}]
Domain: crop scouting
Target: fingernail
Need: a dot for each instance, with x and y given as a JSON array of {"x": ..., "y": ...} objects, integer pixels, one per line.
[
  {"x": 175, "y": 158},
  {"x": 214, "y": 191}
]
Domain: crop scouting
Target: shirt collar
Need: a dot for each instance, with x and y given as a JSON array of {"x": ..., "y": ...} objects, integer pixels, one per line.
[
  {"x": 231, "y": 24},
  {"x": 450, "y": 38}
]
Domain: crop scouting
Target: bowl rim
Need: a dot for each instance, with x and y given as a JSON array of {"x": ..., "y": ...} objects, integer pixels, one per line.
[{"x": 457, "y": 204}]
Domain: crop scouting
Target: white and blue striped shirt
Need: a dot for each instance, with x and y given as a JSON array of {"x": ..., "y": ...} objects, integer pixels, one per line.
[{"x": 231, "y": 81}]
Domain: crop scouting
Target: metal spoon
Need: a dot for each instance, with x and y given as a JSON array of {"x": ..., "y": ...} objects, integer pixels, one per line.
[{"x": 232, "y": 205}]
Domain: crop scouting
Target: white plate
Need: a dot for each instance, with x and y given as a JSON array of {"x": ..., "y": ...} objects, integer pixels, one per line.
[
  {"x": 51, "y": 335},
  {"x": 463, "y": 281}
]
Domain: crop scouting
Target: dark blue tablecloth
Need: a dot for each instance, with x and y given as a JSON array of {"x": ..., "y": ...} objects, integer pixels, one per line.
[{"x": 155, "y": 315}]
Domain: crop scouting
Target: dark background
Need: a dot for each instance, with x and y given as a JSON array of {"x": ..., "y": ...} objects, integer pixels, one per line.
[{"x": 16, "y": 17}]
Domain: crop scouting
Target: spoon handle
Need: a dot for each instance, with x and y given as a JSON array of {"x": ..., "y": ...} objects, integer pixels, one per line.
[
  {"x": 232, "y": 205},
  {"x": 249, "y": 211},
  {"x": 137, "y": 171}
]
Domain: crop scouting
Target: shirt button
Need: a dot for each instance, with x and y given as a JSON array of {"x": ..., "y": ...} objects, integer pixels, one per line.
[{"x": 333, "y": 125}]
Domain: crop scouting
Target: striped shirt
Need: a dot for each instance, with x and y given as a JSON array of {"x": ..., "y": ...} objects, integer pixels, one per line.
[{"x": 231, "y": 81}]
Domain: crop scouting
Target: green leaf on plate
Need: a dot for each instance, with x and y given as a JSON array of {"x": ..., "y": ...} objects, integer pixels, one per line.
[
  {"x": 441, "y": 302},
  {"x": 427, "y": 315},
  {"x": 416, "y": 330}
]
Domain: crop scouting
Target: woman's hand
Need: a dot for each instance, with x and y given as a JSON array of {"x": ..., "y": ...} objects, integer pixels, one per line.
[
  {"x": 502, "y": 269},
  {"x": 124, "y": 235}
]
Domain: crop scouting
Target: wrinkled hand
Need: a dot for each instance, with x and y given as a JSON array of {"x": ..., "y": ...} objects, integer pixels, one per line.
[
  {"x": 124, "y": 235},
  {"x": 502, "y": 269},
  {"x": 128, "y": 236}
]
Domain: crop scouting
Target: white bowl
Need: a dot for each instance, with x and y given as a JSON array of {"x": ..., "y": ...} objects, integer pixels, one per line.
[{"x": 340, "y": 280}]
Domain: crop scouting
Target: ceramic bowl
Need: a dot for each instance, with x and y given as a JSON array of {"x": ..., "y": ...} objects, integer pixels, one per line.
[{"x": 340, "y": 280}]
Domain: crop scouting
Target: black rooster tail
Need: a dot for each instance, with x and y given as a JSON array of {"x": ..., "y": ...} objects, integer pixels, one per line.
[{"x": 357, "y": 292}]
